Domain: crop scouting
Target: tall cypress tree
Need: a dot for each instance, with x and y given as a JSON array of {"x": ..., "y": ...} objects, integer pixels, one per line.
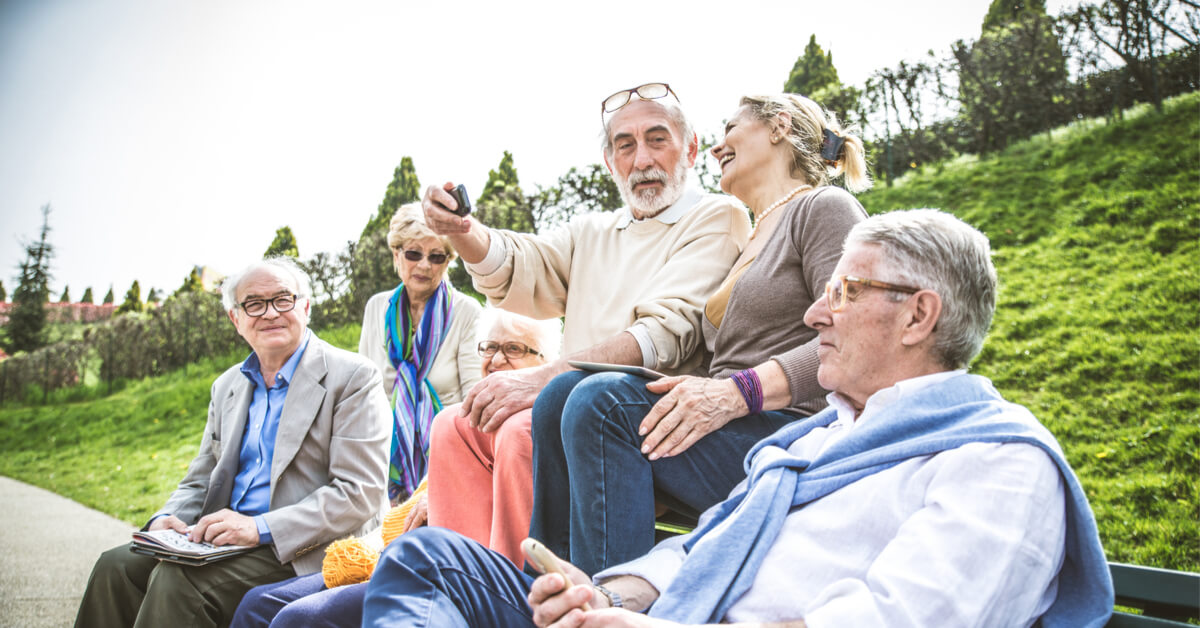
[
  {"x": 66, "y": 295},
  {"x": 26, "y": 329},
  {"x": 87, "y": 296},
  {"x": 284, "y": 244},
  {"x": 108, "y": 297}
]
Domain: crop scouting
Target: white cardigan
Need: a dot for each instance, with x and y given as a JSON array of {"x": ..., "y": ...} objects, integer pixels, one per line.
[{"x": 457, "y": 365}]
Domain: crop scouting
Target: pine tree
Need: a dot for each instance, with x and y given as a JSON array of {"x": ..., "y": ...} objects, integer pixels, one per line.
[
  {"x": 813, "y": 71},
  {"x": 87, "y": 296},
  {"x": 153, "y": 296},
  {"x": 283, "y": 244},
  {"x": 66, "y": 295},
  {"x": 26, "y": 329},
  {"x": 404, "y": 188},
  {"x": 3, "y": 292},
  {"x": 191, "y": 283},
  {"x": 108, "y": 298},
  {"x": 372, "y": 269},
  {"x": 133, "y": 299}
]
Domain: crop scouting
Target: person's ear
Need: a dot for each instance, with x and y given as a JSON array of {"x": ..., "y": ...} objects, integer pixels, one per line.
[
  {"x": 608, "y": 165},
  {"x": 693, "y": 150},
  {"x": 923, "y": 311},
  {"x": 783, "y": 124},
  {"x": 232, "y": 316}
]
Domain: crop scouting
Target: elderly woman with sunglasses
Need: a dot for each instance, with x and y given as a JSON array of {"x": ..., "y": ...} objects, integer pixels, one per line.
[{"x": 421, "y": 334}]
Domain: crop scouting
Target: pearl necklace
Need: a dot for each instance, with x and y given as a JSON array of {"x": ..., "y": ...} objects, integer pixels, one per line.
[{"x": 776, "y": 205}]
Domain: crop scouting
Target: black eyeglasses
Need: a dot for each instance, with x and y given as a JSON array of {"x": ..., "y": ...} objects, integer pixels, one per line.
[
  {"x": 649, "y": 91},
  {"x": 437, "y": 259},
  {"x": 838, "y": 290},
  {"x": 512, "y": 350},
  {"x": 258, "y": 307}
]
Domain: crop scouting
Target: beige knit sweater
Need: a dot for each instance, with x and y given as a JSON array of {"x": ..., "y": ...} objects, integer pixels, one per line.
[{"x": 646, "y": 272}]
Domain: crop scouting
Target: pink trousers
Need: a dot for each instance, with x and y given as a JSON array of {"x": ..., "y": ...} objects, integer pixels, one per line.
[{"x": 481, "y": 485}]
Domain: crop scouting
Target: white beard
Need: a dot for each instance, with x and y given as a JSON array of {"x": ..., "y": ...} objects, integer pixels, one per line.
[{"x": 652, "y": 201}]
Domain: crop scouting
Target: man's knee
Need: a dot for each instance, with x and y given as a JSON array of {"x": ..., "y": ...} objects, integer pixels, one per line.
[
  {"x": 426, "y": 547},
  {"x": 548, "y": 407},
  {"x": 599, "y": 403}
]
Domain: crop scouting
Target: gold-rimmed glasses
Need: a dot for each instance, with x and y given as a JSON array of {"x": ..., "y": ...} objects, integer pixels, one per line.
[
  {"x": 511, "y": 350},
  {"x": 838, "y": 291}
]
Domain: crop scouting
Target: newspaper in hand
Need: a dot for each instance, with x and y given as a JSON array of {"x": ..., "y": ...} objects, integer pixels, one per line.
[{"x": 169, "y": 544}]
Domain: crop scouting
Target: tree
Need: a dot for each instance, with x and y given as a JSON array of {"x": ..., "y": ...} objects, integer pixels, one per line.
[
  {"x": 1013, "y": 80},
  {"x": 577, "y": 192},
  {"x": 284, "y": 244},
  {"x": 3, "y": 292},
  {"x": 502, "y": 204},
  {"x": 191, "y": 283},
  {"x": 66, "y": 295},
  {"x": 26, "y": 329},
  {"x": 372, "y": 269},
  {"x": 1137, "y": 31},
  {"x": 87, "y": 296},
  {"x": 404, "y": 188},
  {"x": 108, "y": 297},
  {"x": 813, "y": 71},
  {"x": 153, "y": 296},
  {"x": 133, "y": 299}
]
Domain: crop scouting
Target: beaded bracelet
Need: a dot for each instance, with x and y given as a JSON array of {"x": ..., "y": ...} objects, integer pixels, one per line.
[{"x": 751, "y": 388}]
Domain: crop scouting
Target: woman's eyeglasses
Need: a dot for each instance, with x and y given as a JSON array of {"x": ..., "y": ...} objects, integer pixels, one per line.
[
  {"x": 511, "y": 350},
  {"x": 437, "y": 259}
]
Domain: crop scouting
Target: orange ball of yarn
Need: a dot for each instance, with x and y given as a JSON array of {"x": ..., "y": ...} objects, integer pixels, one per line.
[
  {"x": 348, "y": 561},
  {"x": 395, "y": 519}
]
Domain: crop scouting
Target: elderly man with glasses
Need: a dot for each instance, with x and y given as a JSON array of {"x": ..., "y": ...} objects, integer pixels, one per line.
[
  {"x": 920, "y": 497},
  {"x": 282, "y": 472}
]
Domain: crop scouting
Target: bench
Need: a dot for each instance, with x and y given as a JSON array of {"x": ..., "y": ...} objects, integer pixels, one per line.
[{"x": 1166, "y": 598}]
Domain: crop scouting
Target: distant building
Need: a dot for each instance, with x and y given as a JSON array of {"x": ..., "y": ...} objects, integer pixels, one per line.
[
  {"x": 209, "y": 278},
  {"x": 68, "y": 312}
]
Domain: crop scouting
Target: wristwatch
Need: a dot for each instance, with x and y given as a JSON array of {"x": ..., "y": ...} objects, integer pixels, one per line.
[{"x": 614, "y": 598}]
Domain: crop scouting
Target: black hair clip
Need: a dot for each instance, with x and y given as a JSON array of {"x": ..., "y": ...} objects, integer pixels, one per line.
[{"x": 831, "y": 148}]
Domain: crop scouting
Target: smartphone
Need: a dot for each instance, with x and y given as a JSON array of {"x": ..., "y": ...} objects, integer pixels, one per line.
[
  {"x": 464, "y": 202},
  {"x": 545, "y": 561}
]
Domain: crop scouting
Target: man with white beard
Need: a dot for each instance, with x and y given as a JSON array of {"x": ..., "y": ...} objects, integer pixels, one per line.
[{"x": 637, "y": 277}]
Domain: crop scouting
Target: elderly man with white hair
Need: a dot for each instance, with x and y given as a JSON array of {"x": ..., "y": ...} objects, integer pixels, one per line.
[
  {"x": 920, "y": 497},
  {"x": 293, "y": 456}
]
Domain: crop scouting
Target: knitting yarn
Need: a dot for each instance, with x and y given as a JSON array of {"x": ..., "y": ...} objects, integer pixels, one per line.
[
  {"x": 396, "y": 518},
  {"x": 348, "y": 561}
]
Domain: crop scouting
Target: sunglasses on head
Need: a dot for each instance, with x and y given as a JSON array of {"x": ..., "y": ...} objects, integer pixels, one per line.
[{"x": 436, "y": 259}]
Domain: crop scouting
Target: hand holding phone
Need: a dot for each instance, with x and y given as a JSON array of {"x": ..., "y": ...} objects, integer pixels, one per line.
[
  {"x": 545, "y": 561},
  {"x": 464, "y": 202}
]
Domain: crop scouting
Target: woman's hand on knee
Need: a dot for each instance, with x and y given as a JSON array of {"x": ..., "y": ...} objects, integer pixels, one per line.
[{"x": 692, "y": 408}]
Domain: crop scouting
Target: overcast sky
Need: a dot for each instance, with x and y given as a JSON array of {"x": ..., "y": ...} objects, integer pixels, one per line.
[{"x": 170, "y": 133}]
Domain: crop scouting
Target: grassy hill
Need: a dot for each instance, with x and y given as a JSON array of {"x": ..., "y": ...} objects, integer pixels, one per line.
[{"x": 1095, "y": 229}]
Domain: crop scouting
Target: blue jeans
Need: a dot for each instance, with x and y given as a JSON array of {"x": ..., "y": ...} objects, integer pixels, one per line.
[
  {"x": 301, "y": 602},
  {"x": 440, "y": 578},
  {"x": 594, "y": 491}
]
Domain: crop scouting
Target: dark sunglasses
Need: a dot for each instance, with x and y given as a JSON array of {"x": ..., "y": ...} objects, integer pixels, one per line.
[{"x": 436, "y": 259}]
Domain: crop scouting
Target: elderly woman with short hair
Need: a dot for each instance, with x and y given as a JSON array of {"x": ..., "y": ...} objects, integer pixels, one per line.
[{"x": 421, "y": 334}]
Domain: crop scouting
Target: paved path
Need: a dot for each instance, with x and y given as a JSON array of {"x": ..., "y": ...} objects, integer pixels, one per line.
[{"x": 47, "y": 546}]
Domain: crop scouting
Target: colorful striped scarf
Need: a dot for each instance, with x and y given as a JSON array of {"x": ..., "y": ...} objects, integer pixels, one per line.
[{"x": 414, "y": 402}]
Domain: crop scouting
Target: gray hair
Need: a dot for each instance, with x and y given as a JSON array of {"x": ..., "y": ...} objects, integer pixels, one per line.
[
  {"x": 674, "y": 114},
  {"x": 934, "y": 250},
  {"x": 546, "y": 334},
  {"x": 283, "y": 264},
  {"x": 806, "y": 136}
]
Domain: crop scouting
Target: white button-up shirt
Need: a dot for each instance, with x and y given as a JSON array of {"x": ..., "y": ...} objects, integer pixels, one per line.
[{"x": 972, "y": 536}]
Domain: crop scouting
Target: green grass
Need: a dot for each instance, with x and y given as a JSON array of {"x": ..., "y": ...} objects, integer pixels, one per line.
[{"x": 1096, "y": 232}]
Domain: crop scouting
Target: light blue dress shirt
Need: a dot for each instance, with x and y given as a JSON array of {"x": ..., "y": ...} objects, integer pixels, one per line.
[{"x": 252, "y": 485}]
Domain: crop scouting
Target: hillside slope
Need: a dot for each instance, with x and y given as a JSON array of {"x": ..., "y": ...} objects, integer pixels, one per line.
[{"x": 1095, "y": 231}]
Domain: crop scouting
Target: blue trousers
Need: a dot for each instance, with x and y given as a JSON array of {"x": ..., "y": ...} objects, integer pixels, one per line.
[
  {"x": 594, "y": 491},
  {"x": 439, "y": 578},
  {"x": 301, "y": 602}
]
